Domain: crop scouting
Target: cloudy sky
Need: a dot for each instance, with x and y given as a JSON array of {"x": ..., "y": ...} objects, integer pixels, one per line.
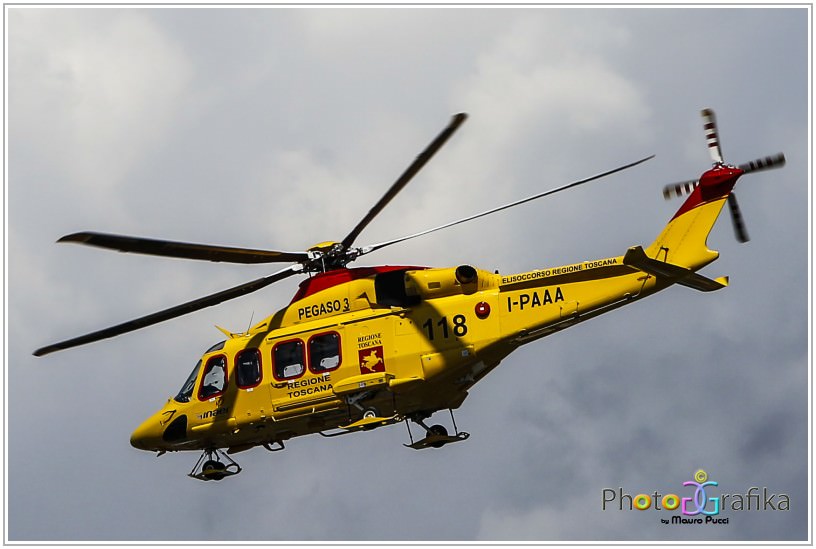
[{"x": 279, "y": 128}]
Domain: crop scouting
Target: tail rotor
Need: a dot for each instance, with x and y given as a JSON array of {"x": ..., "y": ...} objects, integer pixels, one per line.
[{"x": 722, "y": 174}]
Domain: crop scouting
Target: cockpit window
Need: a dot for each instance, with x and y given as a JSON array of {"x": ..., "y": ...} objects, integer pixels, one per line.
[
  {"x": 187, "y": 389},
  {"x": 217, "y": 347},
  {"x": 214, "y": 378}
]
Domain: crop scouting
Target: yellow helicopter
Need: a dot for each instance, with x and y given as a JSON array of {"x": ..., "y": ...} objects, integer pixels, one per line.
[{"x": 360, "y": 348}]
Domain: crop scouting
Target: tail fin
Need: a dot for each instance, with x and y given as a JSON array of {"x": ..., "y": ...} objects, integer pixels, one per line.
[{"x": 683, "y": 240}]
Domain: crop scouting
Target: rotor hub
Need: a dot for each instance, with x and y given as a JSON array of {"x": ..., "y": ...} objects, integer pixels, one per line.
[
  {"x": 325, "y": 247},
  {"x": 330, "y": 255}
]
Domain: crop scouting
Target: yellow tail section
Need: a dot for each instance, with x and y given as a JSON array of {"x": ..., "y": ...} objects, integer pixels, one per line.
[{"x": 683, "y": 241}]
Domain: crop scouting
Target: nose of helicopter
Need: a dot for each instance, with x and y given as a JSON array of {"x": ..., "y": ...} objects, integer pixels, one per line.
[
  {"x": 148, "y": 435},
  {"x": 164, "y": 430}
]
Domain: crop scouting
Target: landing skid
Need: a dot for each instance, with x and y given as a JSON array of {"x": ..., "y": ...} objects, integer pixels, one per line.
[
  {"x": 371, "y": 420},
  {"x": 437, "y": 441},
  {"x": 437, "y": 435}
]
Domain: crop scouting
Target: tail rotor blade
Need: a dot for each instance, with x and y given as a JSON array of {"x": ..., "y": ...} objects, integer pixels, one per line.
[
  {"x": 736, "y": 218},
  {"x": 676, "y": 190},
  {"x": 767, "y": 163},
  {"x": 712, "y": 136}
]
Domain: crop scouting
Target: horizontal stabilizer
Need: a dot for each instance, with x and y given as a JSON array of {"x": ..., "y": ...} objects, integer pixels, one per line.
[{"x": 636, "y": 257}]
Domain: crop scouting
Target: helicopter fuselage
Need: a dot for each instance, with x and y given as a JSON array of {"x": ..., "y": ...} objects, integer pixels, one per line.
[{"x": 391, "y": 341}]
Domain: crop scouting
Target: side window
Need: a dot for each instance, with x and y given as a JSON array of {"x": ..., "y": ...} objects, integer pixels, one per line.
[
  {"x": 214, "y": 378},
  {"x": 248, "y": 368},
  {"x": 288, "y": 359},
  {"x": 324, "y": 352}
]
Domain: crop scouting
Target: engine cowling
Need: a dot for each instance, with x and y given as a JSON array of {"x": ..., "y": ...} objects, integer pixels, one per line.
[{"x": 432, "y": 283}]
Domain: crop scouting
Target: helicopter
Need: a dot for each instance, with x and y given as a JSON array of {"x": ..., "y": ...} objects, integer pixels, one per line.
[{"x": 358, "y": 348}]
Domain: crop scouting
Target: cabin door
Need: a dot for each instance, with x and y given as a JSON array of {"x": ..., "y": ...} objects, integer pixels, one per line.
[{"x": 303, "y": 371}]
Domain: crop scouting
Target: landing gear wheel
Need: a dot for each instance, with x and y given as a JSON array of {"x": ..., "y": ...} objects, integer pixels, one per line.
[
  {"x": 436, "y": 435},
  {"x": 214, "y": 470},
  {"x": 369, "y": 413},
  {"x": 438, "y": 430},
  {"x": 214, "y": 464}
]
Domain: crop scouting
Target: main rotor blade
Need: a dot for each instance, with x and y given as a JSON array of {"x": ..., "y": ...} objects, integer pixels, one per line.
[
  {"x": 767, "y": 163},
  {"x": 712, "y": 138},
  {"x": 373, "y": 247},
  {"x": 403, "y": 180},
  {"x": 173, "y": 312},
  {"x": 182, "y": 250},
  {"x": 736, "y": 217}
]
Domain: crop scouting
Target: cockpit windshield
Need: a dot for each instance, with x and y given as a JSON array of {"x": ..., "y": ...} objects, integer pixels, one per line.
[
  {"x": 187, "y": 389},
  {"x": 217, "y": 347},
  {"x": 186, "y": 392}
]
